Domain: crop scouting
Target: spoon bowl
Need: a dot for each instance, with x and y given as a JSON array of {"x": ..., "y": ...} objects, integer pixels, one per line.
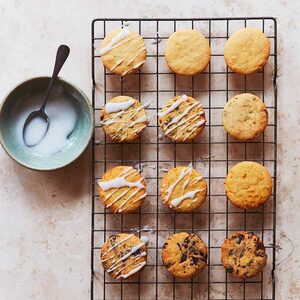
[
  {"x": 40, "y": 131},
  {"x": 62, "y": 54},
  {"x": 14, "y": 109}
]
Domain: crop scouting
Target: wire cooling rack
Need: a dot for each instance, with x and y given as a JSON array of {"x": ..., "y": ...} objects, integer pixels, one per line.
[{"x": 212, "y": 153}]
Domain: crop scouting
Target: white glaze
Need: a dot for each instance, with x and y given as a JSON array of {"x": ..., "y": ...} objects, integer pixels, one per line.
[
  {"x": 120, "y": 36},
  {"x": 184, "y": 122},
  {"x": 62, "y": 121},
  {"x": 120, "y": 182},
  {"x": 144, "y": 239},
  {"x": 189, "y": 195},
  {"x": 113, "y": 119},
  {"x": 140, "y": 266},
  {"x": 112, "y": 107},
  {"x": 125, "y": 256},
  {"x": 118, "y": 243},
  {"x": 173, "y": 106}
]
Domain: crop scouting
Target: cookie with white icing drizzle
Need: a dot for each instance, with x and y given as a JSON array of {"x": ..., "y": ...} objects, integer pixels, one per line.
[
  {"x": 123, "y": 119},
  {"x": 183, "y": 189},
  {"x": 122, "y": 51},
  {"x": 182, "y": 118},
  {"x": 184, "y": 255},
  {"x": 122, "y": 189},
  {"x": 124, "y": 255}
]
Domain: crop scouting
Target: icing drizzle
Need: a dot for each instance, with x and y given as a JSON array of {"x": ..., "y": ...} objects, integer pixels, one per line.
[
  {"x": 185, "y": 175},
  {"x": 122, "y": 263},
  {"x": 115, "y": 111},
  {"x": 190, "y": 124},
  {"x": 121, "y": 182},
  {"x": 124, "y": 36}
]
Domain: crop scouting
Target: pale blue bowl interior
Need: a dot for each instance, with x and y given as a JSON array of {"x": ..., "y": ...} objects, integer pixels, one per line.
[{"x": 78, "y": 139}]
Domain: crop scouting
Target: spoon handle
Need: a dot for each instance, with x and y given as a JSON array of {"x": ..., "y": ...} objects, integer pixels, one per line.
[{"x": 61, "y": 56}]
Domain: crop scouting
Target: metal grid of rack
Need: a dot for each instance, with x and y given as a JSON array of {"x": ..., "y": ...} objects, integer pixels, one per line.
[{"x": 213, "y": 153}]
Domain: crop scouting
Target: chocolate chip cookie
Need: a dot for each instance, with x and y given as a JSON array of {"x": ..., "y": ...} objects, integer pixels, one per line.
[
  {"x": 184, "y": 255},
  {"x": 243, "y": 254}
]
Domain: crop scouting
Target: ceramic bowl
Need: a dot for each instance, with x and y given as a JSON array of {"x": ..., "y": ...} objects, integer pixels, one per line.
[{"x": 78, "y": 140}]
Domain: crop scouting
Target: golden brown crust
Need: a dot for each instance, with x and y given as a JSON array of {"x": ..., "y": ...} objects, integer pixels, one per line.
[
  {"x": 123, "y": 255},
  {"x": 245, "y": 117},
  {"x": 243, "y": 255},
  {"x": 183, "y": 189},
  {"x": 184, "y": 255},
  {"x": 184, "y": 122},
  {"x": 122, "y": 189},
  {"x": 124, "y": 125},
  {"x": 187, "y": 52},
  {"x": 248, "y": 185},
  {"x": 126, "y": 55},
  {"x": 247, "y": 51}
]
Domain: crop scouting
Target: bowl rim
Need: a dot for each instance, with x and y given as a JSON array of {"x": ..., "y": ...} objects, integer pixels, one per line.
[{"x": 90, "y": 134}]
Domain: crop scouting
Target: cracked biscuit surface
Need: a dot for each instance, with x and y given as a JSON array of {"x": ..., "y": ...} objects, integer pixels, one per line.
[
  {"x": 248, "y": 185},
  {"x": 245, "y": 117},
  {"x": 243, "y": 255},
  {"x": 247, "y": 51},
  {"x": 184, "y": 255}
]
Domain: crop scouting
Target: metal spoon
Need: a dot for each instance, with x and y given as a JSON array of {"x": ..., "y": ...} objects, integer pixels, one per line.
[{"x": 61, "y": 56}]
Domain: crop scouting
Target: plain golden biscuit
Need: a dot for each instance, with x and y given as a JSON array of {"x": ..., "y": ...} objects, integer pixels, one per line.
[
  {"x": 124, "y": 255},
  {"x": 123, "y": 119},
  {"x": 245, "y": 117},
  {"x": 122, "y": 189},
  {"x": 187, "y": 52},
  {"x": 182, "y": 118},
  {"x": 248, "y": 185},
  {"x": 122, "y": 52},
  {"x": 183, "y": 189},
  {"x": 247, "y": 51},
  {"x": 243, "y": 255},
  {"x": 184, "y": 255}
]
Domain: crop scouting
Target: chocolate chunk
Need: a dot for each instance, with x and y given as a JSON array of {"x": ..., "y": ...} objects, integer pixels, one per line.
[
  {"x": 113, "y": 237},
  {"x": 183, "y": 257},
  {"x": 239, "y": 238},
  {"x": 179, "y": 246},
  {"x": 229, "y": 270},
  {"x": 195, "y": 260},
  {"x": 165, "y": 245},
  {"x": 242, "y": 253}
]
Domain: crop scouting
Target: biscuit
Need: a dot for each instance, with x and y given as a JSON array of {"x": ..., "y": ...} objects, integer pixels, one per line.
[
  {"x": 245, "y": 117},
  {"x": 183, "y": 189},
  {"x": 248, "y": 185},
  {"x": 247, "y": 51},
  {"x": 187, "y": 52},
  {"x": 182, "y": 118},
  {"x": 124, "y": 255},
  {"x": 184, "y": 255},
  {"x": 123, "y": 119},
  {"x": 243, "y": 255},
  {"x": 122, "y": 189},
  {"x": 122, "y": 52}
]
